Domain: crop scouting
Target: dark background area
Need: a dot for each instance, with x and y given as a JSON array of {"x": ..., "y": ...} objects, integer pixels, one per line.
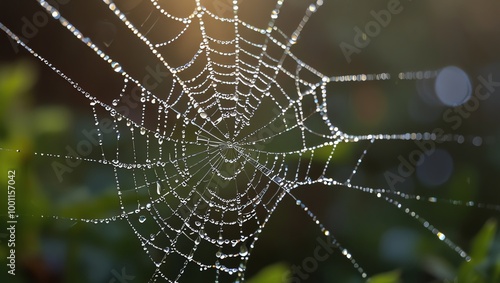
[{"x": 45, "y": 114}]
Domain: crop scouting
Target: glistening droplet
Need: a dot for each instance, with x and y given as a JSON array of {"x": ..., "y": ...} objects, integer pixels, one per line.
[
  {"x": 243, "y": 250},
  {"x": 116, "y": 67}
]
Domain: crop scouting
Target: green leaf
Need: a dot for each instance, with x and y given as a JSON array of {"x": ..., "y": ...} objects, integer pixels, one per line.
[
  {"x": 483, "y": 240},
  {"x": 388, "y": 277},
  {"x": 16, "y": 79},
  {"x": 271, "y": 274},
  {"x": 474, "y": 271},
  {"x": 496, "y": 273}
]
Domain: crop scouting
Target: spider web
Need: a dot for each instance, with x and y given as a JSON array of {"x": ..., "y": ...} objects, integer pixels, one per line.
[{"x": 203, "y": 165}]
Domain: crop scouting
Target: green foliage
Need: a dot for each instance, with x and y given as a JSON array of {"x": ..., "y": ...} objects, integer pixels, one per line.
[
  {"x": 15, "y": 79},
  {"x": 271, "y": 274},
  {"x": 481, "y": 269},
  {"x": 388, "y": 277}
]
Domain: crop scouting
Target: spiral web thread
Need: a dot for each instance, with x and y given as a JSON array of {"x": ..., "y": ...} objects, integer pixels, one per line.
[{"x": 209, "y": 160}]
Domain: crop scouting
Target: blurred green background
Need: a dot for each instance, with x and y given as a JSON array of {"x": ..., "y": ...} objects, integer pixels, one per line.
[{"x": 41, "y": 113}]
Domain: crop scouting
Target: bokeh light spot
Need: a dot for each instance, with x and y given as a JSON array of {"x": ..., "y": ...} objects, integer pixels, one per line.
[
  {"x": 453, "y": 86},
  {"x": 436, "y": 169}
]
